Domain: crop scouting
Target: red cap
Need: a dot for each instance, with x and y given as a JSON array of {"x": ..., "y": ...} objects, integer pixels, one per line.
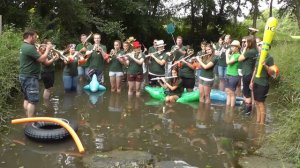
[{"x": 136, "y": 44}]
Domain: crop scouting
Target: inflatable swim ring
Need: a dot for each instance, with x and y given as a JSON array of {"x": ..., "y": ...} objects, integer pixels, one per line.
[{"x": 215, "y": 95}]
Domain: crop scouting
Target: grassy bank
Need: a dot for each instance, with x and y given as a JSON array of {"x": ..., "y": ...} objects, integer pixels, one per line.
[
  {"x": 286, "y": 135},
  {"x": 10, "y": 41}
]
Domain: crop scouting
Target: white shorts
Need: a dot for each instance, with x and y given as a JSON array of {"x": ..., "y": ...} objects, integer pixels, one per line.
[{"x": 115, "y": 74}]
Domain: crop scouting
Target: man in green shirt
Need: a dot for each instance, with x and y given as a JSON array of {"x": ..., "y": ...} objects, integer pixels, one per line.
[
  {"x": 222, "y": 62},
  {"x": 47, "y": 71},
  {"x": 157, "y": 64},
  {"x": 260, "y": 86},
  {"x": 176, "y": 52},
  {"x": 82, "y": 48},
  {"x": 30, "y": 67},
  {"x": 97, "y": 58}
]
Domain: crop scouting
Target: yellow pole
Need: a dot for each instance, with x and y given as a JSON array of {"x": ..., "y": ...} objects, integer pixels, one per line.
[{"x": 268, "y": 37}]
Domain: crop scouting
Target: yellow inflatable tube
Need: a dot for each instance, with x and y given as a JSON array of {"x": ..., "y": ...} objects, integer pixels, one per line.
[
  {"x": 268, "y": 37},
  {"x": 54, "y": 120}
]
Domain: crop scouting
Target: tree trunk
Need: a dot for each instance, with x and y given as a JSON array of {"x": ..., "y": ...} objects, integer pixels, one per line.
[
  {"x": 297, "y": 12},
  {"x": 271, "y": 8},
  {"x": 155, "y": 6},
  {"x": 192, "y": 16},
  {"x": 236, "y": 12},
  {"x": 255, "y": 13}
]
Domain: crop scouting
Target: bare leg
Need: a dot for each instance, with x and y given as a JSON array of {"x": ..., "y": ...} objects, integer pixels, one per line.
[
  {"x": 130, "y": 88},
  {"x": 25, "y": 105},
  {"x": 47, "y": 93},
  {"x": 233, "y": 97},
  {"x": 262, "y": 109},
  {"x": 228, "y": 98},
  {"x": 202, "y": 96},
  {"x": 30, "y": 109},
  {"x": 113, "y": 83},
  {"x": 207, "y": 90},
  {"x": 118, "y": 82},
  {"x": 221, "y": 84},
  {"x": 258, "y": 119},
  {"x": 138, "y": 88}
]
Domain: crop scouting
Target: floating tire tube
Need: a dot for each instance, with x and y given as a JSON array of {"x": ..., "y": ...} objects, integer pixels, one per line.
[
  {"x": 48, "y": 131},
  {"x": 54, "y": 120}
]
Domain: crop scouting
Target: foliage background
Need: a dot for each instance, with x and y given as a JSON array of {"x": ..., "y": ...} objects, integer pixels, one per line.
[{"x": 63, "y": 21}]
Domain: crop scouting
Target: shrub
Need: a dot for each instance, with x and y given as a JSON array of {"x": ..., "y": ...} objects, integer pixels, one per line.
[{"x": 10, "y": 41}]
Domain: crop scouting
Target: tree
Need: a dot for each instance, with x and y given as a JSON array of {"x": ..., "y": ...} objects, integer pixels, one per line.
[{"x": 291, "y": 5}]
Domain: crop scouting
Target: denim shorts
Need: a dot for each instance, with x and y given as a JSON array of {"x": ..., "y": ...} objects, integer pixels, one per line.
[
  {"x": 222, "y": 72},
  {"x": 30, "y": 88},
  {"x": 231, "y": 82}
]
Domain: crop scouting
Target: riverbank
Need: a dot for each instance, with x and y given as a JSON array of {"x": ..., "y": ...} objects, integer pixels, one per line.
[{"x": 281, "y": 146}]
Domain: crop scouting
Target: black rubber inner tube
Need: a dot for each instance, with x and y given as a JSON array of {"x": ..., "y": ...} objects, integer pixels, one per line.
[{"x": 47, "y": 131}]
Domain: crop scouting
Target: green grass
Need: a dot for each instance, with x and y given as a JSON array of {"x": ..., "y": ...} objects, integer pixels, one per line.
[{"x": 286, "y": 135}]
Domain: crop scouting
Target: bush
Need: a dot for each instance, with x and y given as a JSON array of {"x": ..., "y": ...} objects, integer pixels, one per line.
[{"x": 10, "y": 41}]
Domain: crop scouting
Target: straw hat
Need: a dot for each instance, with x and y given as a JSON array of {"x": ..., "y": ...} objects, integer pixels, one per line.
[
  {"x": 236, "y": 43},
  {"x": 131, "y": 39},
  {"x": 160, "y": 43}
]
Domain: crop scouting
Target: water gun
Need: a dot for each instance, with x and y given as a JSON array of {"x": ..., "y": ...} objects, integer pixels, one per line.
[{"x": 267, "y": 39}]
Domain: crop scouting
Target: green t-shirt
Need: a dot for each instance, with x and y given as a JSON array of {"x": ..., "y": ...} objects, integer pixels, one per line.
[
  {"x": 264, "y": 77},
  {"x": 178, "y": 91},
  {"x": 222, "y": 58},
  {"x": 115, "y": 64},
  {"x": 71, "y": 68},
  {"x": 156, "y": 68},
  {"x": 151, "y": 50},
  {"x": 96, "y": 60},
  {"x": 209, "y": 73},
  {"x": 135, "y": 68},
  {"x": 177, "y": 54},
  {"x": 79, "y": 47},
  {"x": 249, "y": 62},
  {"x": 48, "y": 68},
  {"x": 29, "y": 66},
  {"x": 185, "y": 71},
  {"x": 232, "y": 69}
]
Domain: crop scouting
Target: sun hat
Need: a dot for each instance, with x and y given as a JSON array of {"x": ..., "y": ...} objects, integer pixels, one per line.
[
  {"x": 160, "y": 43},
  {"x": 236, "y": 43}
]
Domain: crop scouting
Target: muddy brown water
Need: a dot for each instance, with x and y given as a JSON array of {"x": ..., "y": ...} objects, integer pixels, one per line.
[{"x": 201, "y": 135}]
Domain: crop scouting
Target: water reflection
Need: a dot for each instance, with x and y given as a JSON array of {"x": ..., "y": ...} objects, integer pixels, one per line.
[
  {"x": 94, "y": 97},
  {"x": 199, "y": 134}
]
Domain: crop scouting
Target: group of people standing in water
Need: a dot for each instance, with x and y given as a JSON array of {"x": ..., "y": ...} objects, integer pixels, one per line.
[{"x": 229, "y": 63}]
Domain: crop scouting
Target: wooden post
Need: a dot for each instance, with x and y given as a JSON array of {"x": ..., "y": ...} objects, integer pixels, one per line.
[{"x": 0, "y": 24}]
